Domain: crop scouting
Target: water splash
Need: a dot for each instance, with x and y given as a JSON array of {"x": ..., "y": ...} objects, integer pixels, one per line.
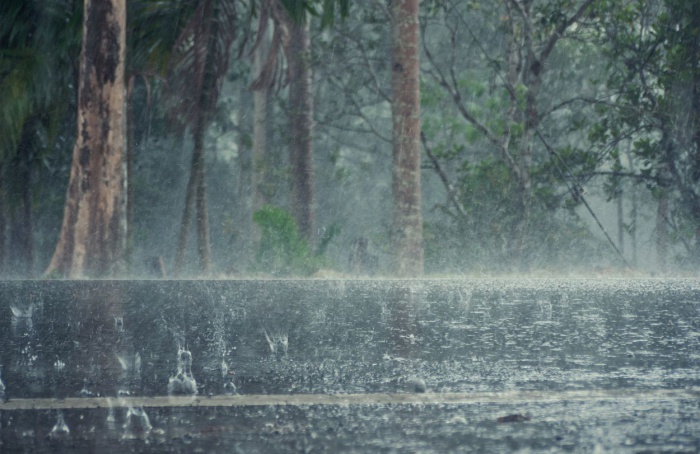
[
  {"x": 119, "y": 324},
  {"x": 137, "y": 420},
  {"x": 85, "y": 392},
  {"x": 22, "y": 323},
  {"x": 131, "y": 373},
  {"x": 60, "y": 429},
  {"x": 227, "y": 375},
  {"x": 111, "y": 417},
  {"x": 277, "y": 342},
  {"x": 2, "y": 387},
  {"x": 59, "y": 365},
  {"x": 183, "y": 382}
]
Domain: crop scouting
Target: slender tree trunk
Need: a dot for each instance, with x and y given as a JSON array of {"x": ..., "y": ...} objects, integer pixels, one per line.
[
  {"x": 203, "y": 243},
  {"x": 407, "y": 228},
  {"x": 259, "y": 179},
  {"x": 620, "y": 224},
  {"x": 130, "y": 145},
  {"x": 301, "y": 129},
  {"x": 633, "y": 229},
  {"x": 92, "y": 237},
  {"x": 196, "y": 198},
  {"x": 3, "y": 220},
  {"x": 244, "y": 183},
  {"x": 187, "y": 212},
  {"x": 662, "y": 232}
]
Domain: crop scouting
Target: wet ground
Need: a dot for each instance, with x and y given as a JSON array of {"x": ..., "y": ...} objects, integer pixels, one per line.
[{"x": 540, "y": 365}]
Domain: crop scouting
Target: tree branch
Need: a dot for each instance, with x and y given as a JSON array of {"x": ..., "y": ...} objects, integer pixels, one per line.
[{"x": 451, "y": 190}]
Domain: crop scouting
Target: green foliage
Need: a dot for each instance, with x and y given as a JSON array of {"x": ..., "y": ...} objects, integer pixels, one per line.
[
  {"x": 298, "y": 8},
  {"x": 282, "y": 250}
]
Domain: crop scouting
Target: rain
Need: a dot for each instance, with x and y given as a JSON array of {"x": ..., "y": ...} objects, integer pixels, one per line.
[{"x": 352, "y": 226}]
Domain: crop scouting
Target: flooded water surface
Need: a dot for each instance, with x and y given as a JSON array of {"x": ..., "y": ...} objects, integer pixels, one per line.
[{"x": 354, "y": 365}]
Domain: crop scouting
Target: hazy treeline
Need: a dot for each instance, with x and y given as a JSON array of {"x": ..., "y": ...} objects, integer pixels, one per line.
[{"x": 258, "y": 135}]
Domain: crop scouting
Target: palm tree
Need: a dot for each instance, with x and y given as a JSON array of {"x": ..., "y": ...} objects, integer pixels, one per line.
[{"x": 39, "y": 43}]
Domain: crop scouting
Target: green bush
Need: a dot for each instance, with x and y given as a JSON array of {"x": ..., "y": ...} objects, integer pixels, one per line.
[{"x": 282, "y": 250}]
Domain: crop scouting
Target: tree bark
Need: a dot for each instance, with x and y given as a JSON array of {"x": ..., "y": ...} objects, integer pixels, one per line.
[
  {"x": 407, "y": 226},
  {"x": 301, "y": 129},
  {"x": 91, "y": 241}
]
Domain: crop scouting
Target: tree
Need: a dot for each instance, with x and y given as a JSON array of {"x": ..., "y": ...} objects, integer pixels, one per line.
[
  {"x": 301, "y": 128},
  {"x": 653, "y": 51},
  {"x": 505, "y": 89},
  {"x": 92, "y": 234},
  {"x": 200, "y": 62},
  {"x": 407, "y": 230}
]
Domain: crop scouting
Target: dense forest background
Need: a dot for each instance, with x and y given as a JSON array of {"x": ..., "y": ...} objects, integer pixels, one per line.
[{"x": 556, "y": 136}]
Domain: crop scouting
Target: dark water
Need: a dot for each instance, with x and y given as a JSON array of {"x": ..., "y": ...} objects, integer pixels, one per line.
[{"x": 97, "y": 338}]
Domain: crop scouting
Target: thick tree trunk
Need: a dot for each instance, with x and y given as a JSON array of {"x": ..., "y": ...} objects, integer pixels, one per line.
[
  {"x": 407, "y": 229},
  {"x": 92, "y": 235},
  {"x": 301, "y": 129}
]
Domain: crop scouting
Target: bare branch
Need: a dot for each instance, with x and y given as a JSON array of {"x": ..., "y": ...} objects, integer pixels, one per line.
[
  {"x": 451, "y": 190},
  {"x": 559, "y": 32},
  {"x": 440, "y": 78}
]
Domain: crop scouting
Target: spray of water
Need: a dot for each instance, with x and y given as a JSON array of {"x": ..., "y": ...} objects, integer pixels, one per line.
[
  {"x": 60, "y": 429},
  {"x": 183, "y": 382}
]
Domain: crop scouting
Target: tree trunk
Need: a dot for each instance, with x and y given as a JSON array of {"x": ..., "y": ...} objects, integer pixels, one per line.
[
  {"x": 620, "y": 224},
  {"x": 301, "y": 129},
  {"x": 91, "y": 241},
  {"x": 259, "y": 182},
  {"x": 203, "y": 243},
  {"x": 196, "y": 197},
  {"x": 188, "y": 210},
  {"x": 129, "y": 186},
  {"x": 633, "y": 227},
  {"x": 3, "y": 220},
  {"x": 407, "y": 228},
  {"x": 244, "y": 184},
  {"x": 662, "y": 232}
]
